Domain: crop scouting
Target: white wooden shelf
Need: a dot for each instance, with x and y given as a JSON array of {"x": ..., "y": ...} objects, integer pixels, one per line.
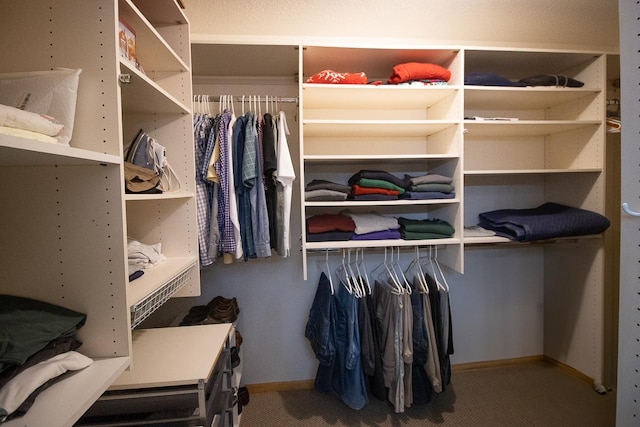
[
  {"x": 161, "y": 13},
  {"x": 522, "y": 98},
  {"x": 15, "y": 151},
  {"x": 395, "y": 158},
  {"x": 143, "y": 95},
  {"x": 161, "y": 196},
  {"x": 327, "y": 96},
  {"x": 64, "y": 402},
  {"x": 352, "y": 244},
  {"x": 492, "y": 240},
  {"x": 405, "y": 203},
  {"x": 529, "y": 171},
  {"x": 373, "y": 128},
  {"x": 152, "y": 51},
  {"x": 474, "y": 128},
  {"x": 173, "y": 356}
]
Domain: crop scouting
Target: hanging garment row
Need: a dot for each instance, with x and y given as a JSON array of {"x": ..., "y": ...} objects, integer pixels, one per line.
[
  {"x": 244, "y": 179},
  {"x": 392, "y": 340}
]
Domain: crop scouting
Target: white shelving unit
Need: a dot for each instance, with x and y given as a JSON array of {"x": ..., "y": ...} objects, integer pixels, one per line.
[
  {"x": 399, "y": 129},
  {"x": 66, "y": 215},
  {"x": 553, "y": 152}
]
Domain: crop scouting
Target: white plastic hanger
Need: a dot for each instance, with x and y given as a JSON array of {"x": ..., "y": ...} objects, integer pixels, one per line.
[
  {"x": 444, "y": 279},
  {"x": 415, "y": 268},
  {"x": 362, "y": 273},
  {"x": 402, "y": 279},
  {"x": 327, "y": 269},
  {"x": 343, "y": 275},
  {"x": 358, "y": 279},
  {"x": 390, "y": 278}
]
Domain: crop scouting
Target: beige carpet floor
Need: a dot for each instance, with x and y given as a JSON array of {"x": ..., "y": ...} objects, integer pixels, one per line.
[{"x": 531, "y": 395}]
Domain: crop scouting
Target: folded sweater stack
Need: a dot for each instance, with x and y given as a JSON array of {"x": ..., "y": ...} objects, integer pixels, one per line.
[
  {"x": 425, "y": 229},
  {"x": 378, "y": 185},
  {"x": 320, "y": 190},
  {"x": 329, "y": 227},
  {"x": 429, "y": 186},
  {"x": 38, "y": 346}
]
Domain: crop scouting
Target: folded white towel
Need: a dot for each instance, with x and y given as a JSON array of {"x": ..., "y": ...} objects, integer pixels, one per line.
[{"x": 18, "y": 389}]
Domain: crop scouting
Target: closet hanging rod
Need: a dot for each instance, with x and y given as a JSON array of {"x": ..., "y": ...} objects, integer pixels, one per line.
[{"x": 236, "y": 98}]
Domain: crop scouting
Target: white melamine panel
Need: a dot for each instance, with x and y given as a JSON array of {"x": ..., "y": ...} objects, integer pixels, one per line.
[
  {"x": 573, "y": 293},
  {"x": 50, "y": 245},
  {"x": 628, "y": 390}
]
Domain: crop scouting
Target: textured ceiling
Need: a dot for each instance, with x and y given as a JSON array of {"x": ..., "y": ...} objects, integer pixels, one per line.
[{"x": 591, "y": 24}]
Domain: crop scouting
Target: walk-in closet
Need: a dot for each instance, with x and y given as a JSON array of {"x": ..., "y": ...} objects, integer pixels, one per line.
[{"x": 426, "y": 197}]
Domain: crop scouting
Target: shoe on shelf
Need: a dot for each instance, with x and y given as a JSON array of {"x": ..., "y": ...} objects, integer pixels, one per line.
[
  {"x": 235, "y": 357},
  {"x": 238, "y": 339},
  {"x": 222, "y": 310},
  {"x": 197, "y": 314}
]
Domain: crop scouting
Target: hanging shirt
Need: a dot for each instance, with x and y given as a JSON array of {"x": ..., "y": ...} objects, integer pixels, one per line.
[
  {"x": 227, "y": 237},
  {"x": 285, "y": 174},
  {"x": 242, "y": 192},
  {"x": 233, "y": 200},
  {"x": 202, "y": 127}
]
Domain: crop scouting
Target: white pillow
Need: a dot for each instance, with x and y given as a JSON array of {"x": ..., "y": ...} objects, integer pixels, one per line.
[
  {"x": 52, "y": 93},
  {"x": 26, "y": 120}
]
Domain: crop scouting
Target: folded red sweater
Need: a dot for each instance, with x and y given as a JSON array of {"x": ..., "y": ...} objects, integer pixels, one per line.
[
  {"x": 418, "y": 71},
  {"x": 357, "y": 190},
  {"x": 330, "y": 76},
  {"x": 322, "y": 223}
]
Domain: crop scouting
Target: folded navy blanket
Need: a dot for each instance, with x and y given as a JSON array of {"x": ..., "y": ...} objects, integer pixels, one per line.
[{"x": 547, "y": 221}]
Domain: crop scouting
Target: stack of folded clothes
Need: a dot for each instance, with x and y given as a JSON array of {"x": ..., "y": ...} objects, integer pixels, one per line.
[
  {"x": 376, "y": 185},
  {"x": 335, "y": 77},
  {"x": 320, "y": 190},
  {"x": 424, "y": 229},
  {"x": 373, "y": 226},
  {"x": 425, "y": 73},
  {"x": 547, "y": 221},
  {"x": 493, "y": 79},
  {"x": 37, "y": 345},
  {"x": 429, "y": 186},
  {"x": 329, "y": 227}
]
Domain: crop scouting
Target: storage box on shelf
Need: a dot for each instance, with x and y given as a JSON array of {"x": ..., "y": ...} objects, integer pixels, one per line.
[{"x": 398, "y": 129}]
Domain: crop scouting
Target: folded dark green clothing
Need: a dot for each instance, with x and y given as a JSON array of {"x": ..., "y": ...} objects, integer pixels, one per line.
[
  {"x": 437, "y": 226},
  {"x": 376, "y": 174},
  {"x": 27, "y": 326},
  {"x": 412, "y": 235},
  {"x": 379, "y": 183},
  {"x": 429, "y": 178},
  {"x": 442, "y": 188}
]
